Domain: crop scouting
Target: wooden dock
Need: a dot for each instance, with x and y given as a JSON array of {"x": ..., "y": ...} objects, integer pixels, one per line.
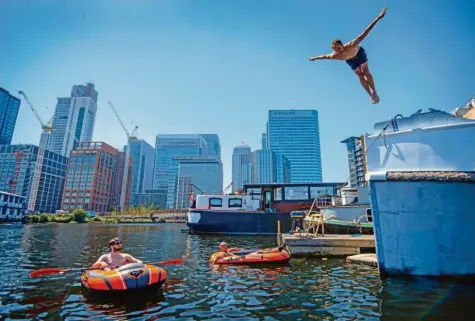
[{"x": 330, "y": 245}]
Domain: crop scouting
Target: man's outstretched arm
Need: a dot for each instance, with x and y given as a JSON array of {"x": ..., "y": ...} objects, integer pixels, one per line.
[
  {"x": 363, "y": 35},
  {"x": 329, "y": 56}
]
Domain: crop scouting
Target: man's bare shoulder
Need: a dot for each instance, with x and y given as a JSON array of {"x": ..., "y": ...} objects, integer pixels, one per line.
[
  {"x": 103, "y": 257},
  {"x": 351, "y": 45}
]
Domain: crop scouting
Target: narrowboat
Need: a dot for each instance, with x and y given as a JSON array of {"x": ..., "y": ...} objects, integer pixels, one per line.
[{"x": 258, "y": 209}]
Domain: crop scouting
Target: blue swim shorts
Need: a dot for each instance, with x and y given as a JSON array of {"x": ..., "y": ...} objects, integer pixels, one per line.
[{"x": 357, "y": 60}]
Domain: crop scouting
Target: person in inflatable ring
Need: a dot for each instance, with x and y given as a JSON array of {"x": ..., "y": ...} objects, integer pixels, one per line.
[
  {"x": 225, "y": 251},
  {"x": 114, "y": 259}
]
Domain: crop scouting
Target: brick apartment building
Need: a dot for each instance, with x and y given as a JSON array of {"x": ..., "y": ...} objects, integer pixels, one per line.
[{"x": 94, "y": 178}]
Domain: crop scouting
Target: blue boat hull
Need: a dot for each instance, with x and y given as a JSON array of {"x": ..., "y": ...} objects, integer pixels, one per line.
[
  {"x": 237, "y": 222},
  {"x": 424, "y": 228}
]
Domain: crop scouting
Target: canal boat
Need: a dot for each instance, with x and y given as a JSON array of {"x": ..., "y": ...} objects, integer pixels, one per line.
[{"x": 257, "y": 210}]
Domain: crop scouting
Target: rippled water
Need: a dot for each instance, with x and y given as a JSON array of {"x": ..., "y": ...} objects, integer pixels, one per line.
[{"x": 302, "y": 290}]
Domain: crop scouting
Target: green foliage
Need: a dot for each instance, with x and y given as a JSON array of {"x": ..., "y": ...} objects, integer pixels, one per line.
[
  {"x": 44, "y": 218},
  {"x": 79, "y": 215}
]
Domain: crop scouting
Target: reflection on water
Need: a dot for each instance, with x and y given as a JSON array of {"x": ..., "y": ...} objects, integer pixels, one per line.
[{"x": 300, "y": 290}]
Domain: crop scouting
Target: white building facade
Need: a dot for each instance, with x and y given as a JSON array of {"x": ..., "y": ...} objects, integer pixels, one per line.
[{"x": 74, "y": 119}]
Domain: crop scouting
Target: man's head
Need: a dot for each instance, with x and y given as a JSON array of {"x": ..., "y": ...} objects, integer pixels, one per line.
[
  {"x": 115, "y": 245},
  {"x": 223, "y": 247},
  {"x": 337, "y": 45}
]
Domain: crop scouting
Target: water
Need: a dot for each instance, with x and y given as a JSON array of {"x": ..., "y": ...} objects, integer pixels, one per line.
[{"x": 302, "y": 290}]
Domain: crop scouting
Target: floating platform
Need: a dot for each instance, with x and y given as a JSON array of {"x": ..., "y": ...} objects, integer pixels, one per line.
[
  {"x": 365, "y": 259},
  {"x": 330, "y": 245}
]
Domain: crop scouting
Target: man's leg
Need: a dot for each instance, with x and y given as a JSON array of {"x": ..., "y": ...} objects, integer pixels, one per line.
[
  {"x": 370, "y": 80},
  {"x": 363, "y": 82}
]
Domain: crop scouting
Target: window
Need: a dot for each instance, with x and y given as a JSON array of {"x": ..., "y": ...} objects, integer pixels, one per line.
[
  {"x": 215, "y": 202},
  {"x": 296, "y": 193},
  {"x": 235, "y": 202},
  {"x": 278, "y": 194}
]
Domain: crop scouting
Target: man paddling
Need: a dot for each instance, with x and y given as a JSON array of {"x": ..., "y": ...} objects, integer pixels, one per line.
[
  {"x": 355, "y": 57},
  {"x": 114, "y": 259}
]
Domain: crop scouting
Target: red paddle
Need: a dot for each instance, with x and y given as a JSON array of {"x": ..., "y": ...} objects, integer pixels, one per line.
[{"x": 49, "y": 271}]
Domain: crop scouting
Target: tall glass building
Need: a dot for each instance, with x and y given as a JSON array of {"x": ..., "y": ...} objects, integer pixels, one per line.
[
  {"x": 200, "y": 174},
  {"x": 74, "y": 119},
  {"x": 17, "y": 165},
  {"x": 295, "y": 135},
  {"x": 241, "y": 167},
  {"x": 214, "y": 147},
  {"x": 143, "y": 162},
  {"x": 168, "y": 148},
  {"x": 263, "y": 167},
  {"x": 9, "y": 106},
  {"x": 356, "y": 160}
]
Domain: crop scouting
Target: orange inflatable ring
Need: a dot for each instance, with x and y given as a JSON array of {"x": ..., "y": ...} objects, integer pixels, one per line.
[
  {"x": 262, "y": 256},
  {"x": 133, "y": 276}
]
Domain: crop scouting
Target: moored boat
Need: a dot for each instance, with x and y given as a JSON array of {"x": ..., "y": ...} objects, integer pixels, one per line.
[
  {"x": 334, "y": 226},
  {"x": 258, "y": 210}
]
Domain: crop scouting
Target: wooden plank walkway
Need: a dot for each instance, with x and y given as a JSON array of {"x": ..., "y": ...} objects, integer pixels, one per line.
[{"x": 330, "y": 245}]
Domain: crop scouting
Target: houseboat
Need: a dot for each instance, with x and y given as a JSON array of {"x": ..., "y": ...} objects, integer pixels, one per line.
[
  {"x": 421, "y": 173},
  {"x": 257, "y": 210},
  {"x": 348, "y": 213}
]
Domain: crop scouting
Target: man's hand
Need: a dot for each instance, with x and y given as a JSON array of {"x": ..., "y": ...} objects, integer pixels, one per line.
[
  {"x": 382, "y": 14},
  {"x": 312, "y": 58}
]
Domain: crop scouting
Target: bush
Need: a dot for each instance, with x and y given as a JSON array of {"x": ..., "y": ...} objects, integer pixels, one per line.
[
  {"x": 44, "y": 218},
  {"x": 79, "y": 215},
  {"x": 63, "y": 218},
  {"x": 110, "y": 220},
  {"x": 33, "y": 219}
]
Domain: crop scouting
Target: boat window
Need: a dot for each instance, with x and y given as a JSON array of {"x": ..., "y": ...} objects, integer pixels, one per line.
[
  {"x": 215, "y": 202},
  {"x": 235, "y": 202},
  {"x": 278, "y": 194},
  {"x": 296, "y": 193},
  {"x": 321, "y": 191},
  {"x": 255, "y": 193}
]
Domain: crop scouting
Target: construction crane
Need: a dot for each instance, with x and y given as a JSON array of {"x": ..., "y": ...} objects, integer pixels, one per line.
[
  {"x": 130, "y": 138},
  {"x": 47, "y": 128},
  {"x": 226, "y": 189}
]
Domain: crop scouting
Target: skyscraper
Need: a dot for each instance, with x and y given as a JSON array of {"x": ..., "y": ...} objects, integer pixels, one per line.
[
  {"x": 356, "y": 160},
  {"x": 168, "y": 149},
  {"x": 264, "y": 141},
  {"x": 143, "y": 162},
  {"x": 9, "y": 106},
  {"x": 74, "y": 119},
  {"x": 241, "y": 171},
  {"x": 295, "y": 135},
  {"x": 214, "y": 147},
  {"x": 264, "y": 167},
  {"x": 202, "y": 174},
  {"x": 17, "y": 166}
]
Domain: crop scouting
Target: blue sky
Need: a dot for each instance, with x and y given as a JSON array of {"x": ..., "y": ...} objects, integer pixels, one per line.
[{"x": 175, "y": 66}]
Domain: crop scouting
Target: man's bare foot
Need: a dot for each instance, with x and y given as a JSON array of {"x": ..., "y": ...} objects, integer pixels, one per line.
[{"x": 375, "y": 98}]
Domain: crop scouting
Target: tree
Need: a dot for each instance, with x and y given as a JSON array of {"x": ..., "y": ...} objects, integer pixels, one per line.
[{"x": 79, "y": 215}]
